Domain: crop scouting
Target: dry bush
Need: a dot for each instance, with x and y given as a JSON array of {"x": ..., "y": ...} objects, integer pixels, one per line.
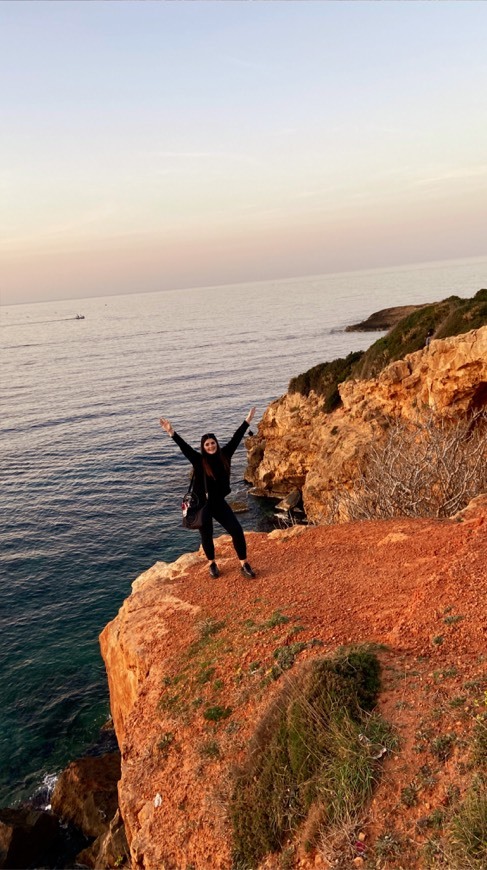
[{"x": 431, "y": 467}]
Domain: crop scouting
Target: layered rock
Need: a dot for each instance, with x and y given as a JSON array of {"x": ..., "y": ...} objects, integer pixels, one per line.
[
  {"x": 128, "y": 650},
  {"x": 299, "y": 445}
]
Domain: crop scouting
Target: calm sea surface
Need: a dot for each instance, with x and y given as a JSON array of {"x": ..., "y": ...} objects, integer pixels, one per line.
[{"x": 91, "y": 486}]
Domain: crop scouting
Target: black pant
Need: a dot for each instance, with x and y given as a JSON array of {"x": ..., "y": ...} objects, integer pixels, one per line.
[{"x": 223, "y": 514}]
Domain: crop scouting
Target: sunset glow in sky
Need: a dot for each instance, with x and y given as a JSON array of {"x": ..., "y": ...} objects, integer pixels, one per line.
[{"x": 156, "y": 145}]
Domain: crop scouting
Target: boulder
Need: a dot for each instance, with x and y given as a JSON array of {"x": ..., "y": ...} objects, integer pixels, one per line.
[
  {"x": 109, "y": 849},
  {"x": 28, "y": 837},
  {"x": 86, "y": 793},
  {"x": 290, "y": 502}
]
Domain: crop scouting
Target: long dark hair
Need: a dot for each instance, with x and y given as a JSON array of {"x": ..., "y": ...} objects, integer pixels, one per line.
[{"x": 221, "y": 456}]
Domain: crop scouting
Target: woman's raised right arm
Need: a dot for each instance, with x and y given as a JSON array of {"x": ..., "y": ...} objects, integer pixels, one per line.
[
  {"x": 166, "y": 426},
  {"x": 188, "y": 451}
]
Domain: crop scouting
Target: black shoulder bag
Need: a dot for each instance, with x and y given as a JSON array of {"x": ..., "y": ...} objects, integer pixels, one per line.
[{"x": 194, "y": 512}]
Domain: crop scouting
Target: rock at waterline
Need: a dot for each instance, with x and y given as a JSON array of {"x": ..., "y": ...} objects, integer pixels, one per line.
[
  {"x": 27, "y": 836},
  {"x": 290, "y": 502},
  {"x": 86, "y": 793}
]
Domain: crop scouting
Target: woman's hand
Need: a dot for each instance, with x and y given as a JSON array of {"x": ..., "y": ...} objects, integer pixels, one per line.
[
  {"x": 166, "y": 426},
  {"x": 250, "y": 416}
]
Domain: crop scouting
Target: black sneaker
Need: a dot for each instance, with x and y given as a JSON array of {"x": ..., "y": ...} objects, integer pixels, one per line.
[
  {"x": 246, "y": 571},
  {"x": 214, "y": 571}
]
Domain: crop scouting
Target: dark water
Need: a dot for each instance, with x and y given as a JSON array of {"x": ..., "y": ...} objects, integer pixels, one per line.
[{"x": 91, "y": 486}]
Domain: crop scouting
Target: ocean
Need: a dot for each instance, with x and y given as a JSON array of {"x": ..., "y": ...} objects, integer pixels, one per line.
[{"x": 91, "y": 486}]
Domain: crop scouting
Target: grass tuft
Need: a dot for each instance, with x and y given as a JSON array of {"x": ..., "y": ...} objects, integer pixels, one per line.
[
  {"x": 216, "y": 714},
  {"x": 442, "y": 746},
  {"x": 209, "y": 627},
  {"x": 210, "y": 749},
  {"x": 318, "y": 746},
  {"x": 469, "y": 827}
]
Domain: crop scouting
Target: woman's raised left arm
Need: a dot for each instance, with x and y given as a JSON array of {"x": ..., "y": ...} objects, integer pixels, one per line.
[{"x": 230, "y": 448}]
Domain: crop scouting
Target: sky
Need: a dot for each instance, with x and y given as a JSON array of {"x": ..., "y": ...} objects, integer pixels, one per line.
[{"x": 153, "y": 144}]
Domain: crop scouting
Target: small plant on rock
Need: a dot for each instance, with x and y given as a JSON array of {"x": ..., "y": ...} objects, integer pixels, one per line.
[{"x": 216, "y": 714}]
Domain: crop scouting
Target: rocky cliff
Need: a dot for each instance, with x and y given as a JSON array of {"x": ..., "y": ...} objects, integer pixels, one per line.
[
  {"x": 299, "y": 445},
  {"x": 193, "y": 665}
]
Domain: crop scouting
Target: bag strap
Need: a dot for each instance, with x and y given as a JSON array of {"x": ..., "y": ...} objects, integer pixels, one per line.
[{"x": 206, "y": 483}]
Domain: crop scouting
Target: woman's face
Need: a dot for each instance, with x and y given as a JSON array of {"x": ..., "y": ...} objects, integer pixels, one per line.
[{"x": 210, "y": 445}]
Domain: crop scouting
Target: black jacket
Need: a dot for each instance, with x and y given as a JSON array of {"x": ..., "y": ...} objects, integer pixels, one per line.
[{"x": 219, "y": 485}]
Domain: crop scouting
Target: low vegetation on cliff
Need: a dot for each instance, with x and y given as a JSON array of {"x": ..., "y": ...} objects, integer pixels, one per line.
[
  {"x": 324, "y": 379},
  {"x": 452, "y": 316},
  {"x": 314, "y": 757}
]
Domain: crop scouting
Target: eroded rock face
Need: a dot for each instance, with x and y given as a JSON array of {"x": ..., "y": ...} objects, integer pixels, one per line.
[
  {"x": 127, "y": 671},
  {"x": 110, "y": 849},
  {"x": 86, "y": 793},
  {"x": 298, "y": 445}
]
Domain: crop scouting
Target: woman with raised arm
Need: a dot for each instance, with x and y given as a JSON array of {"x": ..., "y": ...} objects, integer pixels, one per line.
[{"x": 212, "y": 467}]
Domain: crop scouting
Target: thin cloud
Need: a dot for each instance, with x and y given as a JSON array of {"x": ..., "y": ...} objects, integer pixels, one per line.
[
  {"x": 460, "y": 174},
  {"x": 202, "y": 155},
  {"x": 185, "y": 155},
  {"x": 60, "y": 231}
]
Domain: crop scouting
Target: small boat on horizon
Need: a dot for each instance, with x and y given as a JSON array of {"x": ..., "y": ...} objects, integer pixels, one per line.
[{"x": 79, "y": 317}]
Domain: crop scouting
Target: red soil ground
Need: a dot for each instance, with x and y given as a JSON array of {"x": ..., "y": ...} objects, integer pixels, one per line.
[{"x": 417, "y": 587}]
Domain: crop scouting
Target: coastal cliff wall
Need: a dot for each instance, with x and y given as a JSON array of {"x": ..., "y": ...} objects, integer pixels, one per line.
[
  {"x": 298, "y": 445},
  {"x": 193, "y": 665}
]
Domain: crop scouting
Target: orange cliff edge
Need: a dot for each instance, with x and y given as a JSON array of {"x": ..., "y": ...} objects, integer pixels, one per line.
[{"x": 183, "y": 645}]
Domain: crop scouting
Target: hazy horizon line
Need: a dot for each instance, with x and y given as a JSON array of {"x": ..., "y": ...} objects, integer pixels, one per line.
[{"x": 185, "y": 288}]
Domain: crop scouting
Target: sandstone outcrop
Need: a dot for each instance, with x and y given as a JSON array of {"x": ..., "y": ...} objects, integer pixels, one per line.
[{"x": 298, "y": 445}]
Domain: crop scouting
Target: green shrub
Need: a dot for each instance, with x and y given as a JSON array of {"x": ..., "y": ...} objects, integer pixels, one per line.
[
  {"x": 277, "y": 618},
  {"x": 209, "y": 627},
  {"x": 324, "y": 378},
  {"x": 216, "y": 714},
  {"x": 205, "y": 675},
  {"x": 285, "y": 657},
  {"x": 317, "y": 743},
  {"x": 442, "y": 746}
]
